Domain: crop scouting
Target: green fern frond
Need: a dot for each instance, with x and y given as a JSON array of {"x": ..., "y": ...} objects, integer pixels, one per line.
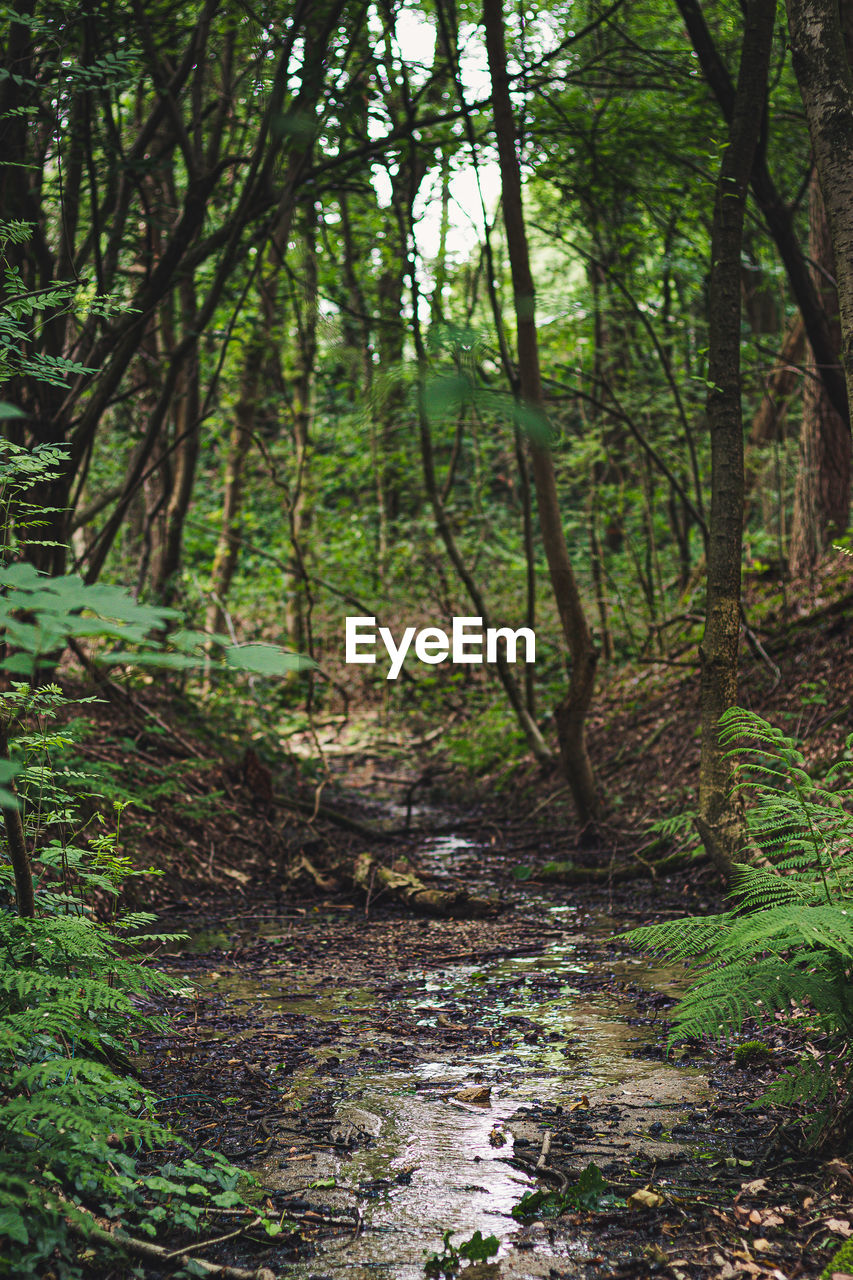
[{"x": 787, "y": 946}]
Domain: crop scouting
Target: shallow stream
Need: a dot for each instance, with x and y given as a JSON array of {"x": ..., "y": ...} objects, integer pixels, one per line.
[{"x": 414, "y": 1160}]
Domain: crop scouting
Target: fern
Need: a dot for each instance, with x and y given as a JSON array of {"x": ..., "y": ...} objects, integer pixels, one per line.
[
  {"x": 72, "y": 1117},
  {"x": 786, "y": 946}
]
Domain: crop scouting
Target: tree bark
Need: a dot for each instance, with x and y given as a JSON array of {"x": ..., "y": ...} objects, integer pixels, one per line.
[
  {"x": 227, "y": 552},
  {"x": 16, "y": 840},
  {"x": 718, "y": 823},
  {"x": 572, "y": 711},
  {"x": 822, "y": 68},
  {"x": 822, "y": 495},
  {"x": 776, "y": 211}
]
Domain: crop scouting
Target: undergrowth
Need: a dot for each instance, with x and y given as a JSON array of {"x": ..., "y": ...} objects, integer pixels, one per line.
[
  {"x": 784, "y": 951},
  {"x": 74, "y": 990}
]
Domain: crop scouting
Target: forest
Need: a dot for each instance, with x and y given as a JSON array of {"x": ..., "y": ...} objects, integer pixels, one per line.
[{"x": 426, "y": 750}]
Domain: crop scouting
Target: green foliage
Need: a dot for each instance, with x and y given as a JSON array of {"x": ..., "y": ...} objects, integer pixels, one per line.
[
  {"x": 752, "y": 1053},
  {"x": 73, "y": 1120},
  {"x": 490, "y": 739},
  {"x": 785, "y": 948},
  {"x": 841, "y": 1261},
  {"x": 448, "y": 1262},
  {"x": 73, "y": 978},
  {"x": 589, "y": 1192}
]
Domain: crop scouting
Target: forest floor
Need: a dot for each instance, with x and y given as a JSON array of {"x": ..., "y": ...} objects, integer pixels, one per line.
[{"x": 392, "y": 1076}]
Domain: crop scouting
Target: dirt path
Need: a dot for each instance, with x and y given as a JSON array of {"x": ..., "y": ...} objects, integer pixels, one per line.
[{"x": 392, "y": 1078}]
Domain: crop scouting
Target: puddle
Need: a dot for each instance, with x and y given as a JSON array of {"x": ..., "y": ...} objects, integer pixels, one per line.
[
  {"x": 428, "y": 1163},
  {"x": 390, "y": 1141}
]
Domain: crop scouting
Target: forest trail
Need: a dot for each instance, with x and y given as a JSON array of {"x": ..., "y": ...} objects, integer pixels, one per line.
[{"x": 391, "y": 1078}]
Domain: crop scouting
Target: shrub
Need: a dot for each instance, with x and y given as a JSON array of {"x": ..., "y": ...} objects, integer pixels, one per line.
[{"x": 784, "y": 951}]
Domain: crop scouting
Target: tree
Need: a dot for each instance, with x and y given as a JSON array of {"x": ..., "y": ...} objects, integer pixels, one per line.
[
  {"x": 572, "y": 711},
  {"x": 822, "y": 499},
  {"x": 717, "y": 822}
]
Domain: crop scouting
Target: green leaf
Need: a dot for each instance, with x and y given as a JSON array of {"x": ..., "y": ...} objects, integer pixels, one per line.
[
  {"x": 265, "y": 660},
  {"x": 477, "y": 1249}
]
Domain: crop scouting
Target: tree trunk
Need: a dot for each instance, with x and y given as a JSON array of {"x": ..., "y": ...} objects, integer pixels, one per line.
[
  {"x": 186, "y": 442},
  {"x": 822, "y": 496},
  {"x": 778, "y": 387},
  {"x": 719, "y": 824},
  {"x": 17, "y": 842},
  {"x": 227, "y": 551},
  {"x": 297, "y": 621},
  {"x": 819, "y": 44},
  {"x": 571, "y": 713},
  {"x": 776, "y": 211}
]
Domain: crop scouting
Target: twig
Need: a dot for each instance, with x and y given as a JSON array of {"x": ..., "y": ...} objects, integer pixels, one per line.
[
  {"x": 206, "y": 1244},
  {"x": 145, "y": 1249}
]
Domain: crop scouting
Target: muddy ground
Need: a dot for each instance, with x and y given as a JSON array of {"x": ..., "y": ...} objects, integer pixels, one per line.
[{"x": 390, "y": 1078}]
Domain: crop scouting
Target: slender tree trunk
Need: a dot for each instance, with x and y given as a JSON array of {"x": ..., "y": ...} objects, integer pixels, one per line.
[
  {"x": 16, "y": 840},
  {"x": 187, "y": 439},
  {"x": 718, "y": 823},
  {"x": 822, "y": 495},
  {"x": 572, "y": 712},
  {"x": 227, "y": 551},
  {"x": 302, "y": 421},
  {"x": 776, "y": 211}
]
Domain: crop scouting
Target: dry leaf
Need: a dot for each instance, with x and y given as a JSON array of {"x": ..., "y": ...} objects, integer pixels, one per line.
[
  {"x": 443, "y": 1021},
  {"x": 480, "y": 1095},
  {"x": 239, "y": 876},
  {"x": 752, "y": 1188},
  {"x": 644, "y": 1199},
  {"x": 840, "y": 1169},
  {"x": 584, "y": 1102},
  {"x": 839, "y": 1227}
]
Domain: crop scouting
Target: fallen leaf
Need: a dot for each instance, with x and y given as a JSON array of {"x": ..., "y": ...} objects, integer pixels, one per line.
[
  {"x": 480, "y": 1095},
  {"x": 443, "y": 1021},
  {"x": 752, "y": 1188},
  {"x": 584, "y": 1102},
  {"x": 839, "y": 1227},
  {"x": 761, "y": 1245},
  {"x": 239, "y": 876},
  {"x": 840, "y": 1169},
  {"x": 644, "y": 1199}
]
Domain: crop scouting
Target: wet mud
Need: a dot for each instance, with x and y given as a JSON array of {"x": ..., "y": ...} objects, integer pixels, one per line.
[{"x": 390, "y": 1080}]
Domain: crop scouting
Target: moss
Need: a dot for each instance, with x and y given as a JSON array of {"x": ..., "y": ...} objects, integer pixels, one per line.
[
  {"x": 841, "y": 1261},
  {"x": 752, "y": 1053}
]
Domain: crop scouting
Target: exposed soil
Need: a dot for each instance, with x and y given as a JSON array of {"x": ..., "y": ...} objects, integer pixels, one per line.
[{"x": 389, "y": 1078}]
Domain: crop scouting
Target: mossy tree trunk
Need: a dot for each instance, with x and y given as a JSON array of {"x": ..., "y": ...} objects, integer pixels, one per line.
[
  {"x": 822, "y": 498},
  {"x": 718, "y": 822}
]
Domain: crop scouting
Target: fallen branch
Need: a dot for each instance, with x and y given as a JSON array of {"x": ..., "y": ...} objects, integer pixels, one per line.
[
  {"x": 371, "y": 877},
  {"x": 89, "y": 1229},
  {"x": 570, "y": 873}
]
